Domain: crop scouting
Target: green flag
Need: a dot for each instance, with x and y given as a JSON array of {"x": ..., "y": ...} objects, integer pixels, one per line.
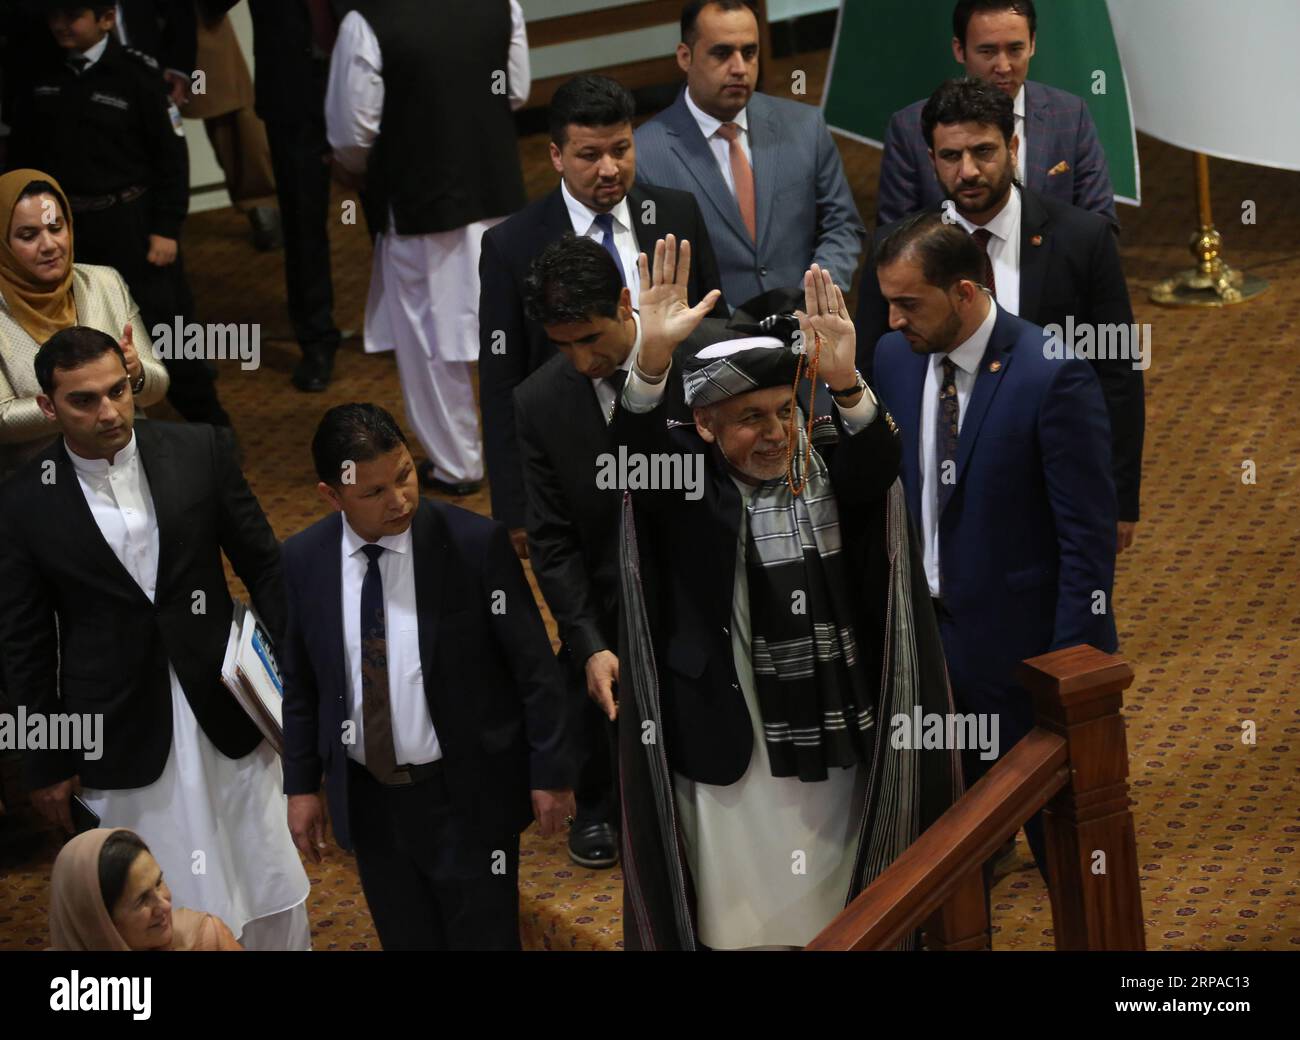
[{"x": 889, "y": 53}]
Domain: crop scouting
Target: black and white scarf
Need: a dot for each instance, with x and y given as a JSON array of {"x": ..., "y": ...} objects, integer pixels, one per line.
[{"x": 812, "y": 687}]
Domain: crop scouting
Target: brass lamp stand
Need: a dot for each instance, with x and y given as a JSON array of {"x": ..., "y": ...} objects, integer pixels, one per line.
[{"x": 1212, "y": 283}]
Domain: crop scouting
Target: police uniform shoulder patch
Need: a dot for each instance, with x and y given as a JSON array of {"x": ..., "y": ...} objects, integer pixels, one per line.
[{"x": 140, "y": 56}]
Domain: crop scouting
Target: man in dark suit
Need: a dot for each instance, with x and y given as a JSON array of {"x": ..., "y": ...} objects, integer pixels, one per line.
[
  {"x": 419, "y": 682},
  {"x": 755, "y": 659},
  {"x": 113, "y": 602},
  {"x": 562, "y": 411},
  {"x": 593, "y": 151},
  {"x": 1050, "y": 263},
  {"x": 1007, "y": 473},
  {"x": 765, "y": 170},
  {"x": 292, "y": 40},
  {"x": 1060, "y": 155}
]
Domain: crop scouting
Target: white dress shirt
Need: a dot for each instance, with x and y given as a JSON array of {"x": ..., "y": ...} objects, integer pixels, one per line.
[
  {"x": 354, "y": 99},
  {"x": 605, "y": 395},
  {"x": 967, "y": 357},
  {"x": 719, "y": 145},
  {"x": 583, "y": 219},
  {"x": 1004, "y": 250},
  {"x": 92, "y": 55},
  {"x": 1018, "y": 110},
  {"x": 122, "y": 506},
  {"x": 413, "y": 737}
]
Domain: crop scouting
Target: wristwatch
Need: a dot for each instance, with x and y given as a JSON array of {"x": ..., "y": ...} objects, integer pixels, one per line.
[
  {"x": 857, "y": 387},
  {"x": 138, "y": 385}
]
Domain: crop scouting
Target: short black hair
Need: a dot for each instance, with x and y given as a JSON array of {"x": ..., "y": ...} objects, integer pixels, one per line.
[
  {"x": 39, "y": 187},
  {"x": 947, "y": 253},
  {"x": 691, "y": 13},
  {"x": 352, "y": 433},
  {"x": 588, "y": 100},
  {"x": 968, "y": 99},
  {"x": 961, "y": 14},
  {"x": 121, "y": 849},
  {"x": 71, "y": 348},
  {"x": 53, "y": 7},
  {"x": 573, "y": 279}
]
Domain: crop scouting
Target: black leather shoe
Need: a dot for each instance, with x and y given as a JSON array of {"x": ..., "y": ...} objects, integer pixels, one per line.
[
  {"x": 312, "y": 374},
  {"x": 424, "y": 471},
  {"x": 267, "y": 233},
  {"x": 595, "y": 845}
]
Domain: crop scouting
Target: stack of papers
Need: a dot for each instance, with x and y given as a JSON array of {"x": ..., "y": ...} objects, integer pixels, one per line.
[{"x": 251, "y": 674}]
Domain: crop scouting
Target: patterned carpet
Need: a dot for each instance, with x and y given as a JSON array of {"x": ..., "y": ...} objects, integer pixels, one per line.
[{"x": 1206, "y": 599}]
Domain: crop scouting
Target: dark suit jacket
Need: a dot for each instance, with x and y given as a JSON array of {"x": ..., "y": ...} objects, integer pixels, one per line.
[
  {"x": 508, "y": 251},
  {"x": 490, "y": 680},
  {"x": 1027, "y": 537},
  {"x": 572, "y": 524},
  {"x": 804, "y": 209},
  {"x": 79, "y": 634},
  {"x": 1059, "y": 128},
  {"x": 166, "y": 30},
  {"x": 688, "y": 565},
  {"x": 287, "y": 83},
  {"x": 1074, "y": 270}
]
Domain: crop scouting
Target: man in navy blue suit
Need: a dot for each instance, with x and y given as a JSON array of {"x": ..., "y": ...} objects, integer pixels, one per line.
[
  {"x": 419, "y": 680},
  {"x": 1060, "y": 156},
  {"x": 1006, "y": 468}
]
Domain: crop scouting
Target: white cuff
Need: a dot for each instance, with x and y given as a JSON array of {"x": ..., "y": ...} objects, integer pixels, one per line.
[
  {"x": 861, "y": 415},
  {"x": 641, "y": 394}
]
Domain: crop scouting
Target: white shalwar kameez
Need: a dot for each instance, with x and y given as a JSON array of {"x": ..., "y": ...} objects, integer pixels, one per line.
[
  {"x": 217, "y": 826},
  {"x": 424, "y": 289}
]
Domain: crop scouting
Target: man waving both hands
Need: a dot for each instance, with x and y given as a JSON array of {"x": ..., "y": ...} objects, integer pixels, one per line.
[{"x": 757, "y": 654}]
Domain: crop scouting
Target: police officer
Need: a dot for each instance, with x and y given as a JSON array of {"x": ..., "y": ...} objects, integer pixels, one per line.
[{"x": 99, "y": 119}]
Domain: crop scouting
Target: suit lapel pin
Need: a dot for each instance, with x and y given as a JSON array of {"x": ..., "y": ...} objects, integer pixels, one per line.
[
  {"x": 995, "y": 366},
  {"x": 1036, "y": 240}
]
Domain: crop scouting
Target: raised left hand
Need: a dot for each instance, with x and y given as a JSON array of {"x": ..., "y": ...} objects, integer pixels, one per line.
[
  {"x": 551, "y": 810},
  {"x": 826, "y": 317},
  {"x": 1125, "y": 535},
  {"x": 133, "y": 365}
]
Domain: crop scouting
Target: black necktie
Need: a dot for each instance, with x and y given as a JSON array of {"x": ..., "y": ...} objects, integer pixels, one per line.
[
  {"x": 982, "y": 236},
  {"x": 78, "y": 63},
  {"x": 945, "y": 434},
  {"x": 616, "y": 381},
  {"x": 376, "y": 712}
]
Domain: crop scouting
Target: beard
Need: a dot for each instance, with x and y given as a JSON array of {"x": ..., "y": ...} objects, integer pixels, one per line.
[
  {"x": 943, "y": 337},
  {"x": 997, "y": 194}
]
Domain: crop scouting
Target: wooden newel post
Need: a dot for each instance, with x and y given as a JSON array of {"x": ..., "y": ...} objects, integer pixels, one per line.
[{"x": 1091, "y": 848}]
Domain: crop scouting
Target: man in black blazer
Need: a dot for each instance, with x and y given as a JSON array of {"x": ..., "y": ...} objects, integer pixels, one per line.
[
  {"x": 419, "y": 682},
  {"x": 292, "y": 40},
  {"x": 1050, "y": 263},
  {"x": 113, "y": 601},
  {"x": 562, "y": 415},
  {"x": 593, "y": 150}
]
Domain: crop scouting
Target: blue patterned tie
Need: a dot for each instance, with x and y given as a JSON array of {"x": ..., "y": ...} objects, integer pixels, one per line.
[
  {"x": 945, "y": 433},
  {"x": 605, "y": 221},
  {"x": 376, "y": 712}
]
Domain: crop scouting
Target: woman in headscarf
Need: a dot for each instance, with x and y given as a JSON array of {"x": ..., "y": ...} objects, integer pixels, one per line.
[
  {"x": 43, "y": 291},
  {"x": 108, "y": 893}
]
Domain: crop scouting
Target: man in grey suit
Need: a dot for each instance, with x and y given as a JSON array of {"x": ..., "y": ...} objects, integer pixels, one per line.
[
  {"x": 764, "y": 170},
  {"x": 1060, "y": 156}
]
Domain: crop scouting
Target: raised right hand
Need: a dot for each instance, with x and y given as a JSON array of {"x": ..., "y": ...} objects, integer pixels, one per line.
[{"x": 666, "y": 320}]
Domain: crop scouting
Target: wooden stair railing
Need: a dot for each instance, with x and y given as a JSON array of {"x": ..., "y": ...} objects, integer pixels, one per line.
[{"x": 1073, "y": 765}]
